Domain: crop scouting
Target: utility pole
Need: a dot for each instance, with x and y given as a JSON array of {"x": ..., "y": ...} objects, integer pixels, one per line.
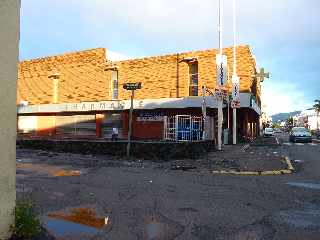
[{"x": 132, "y": 87}]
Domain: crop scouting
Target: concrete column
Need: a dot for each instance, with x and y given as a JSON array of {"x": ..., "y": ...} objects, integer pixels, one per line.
[{"x": 9, "y": 42}]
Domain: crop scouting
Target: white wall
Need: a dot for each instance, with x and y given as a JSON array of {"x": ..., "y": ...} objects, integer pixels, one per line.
[{"x": 9, "y": 42}]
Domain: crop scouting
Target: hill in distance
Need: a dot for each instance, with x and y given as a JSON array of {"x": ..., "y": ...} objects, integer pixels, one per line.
[{"x": 283, "y": 116}]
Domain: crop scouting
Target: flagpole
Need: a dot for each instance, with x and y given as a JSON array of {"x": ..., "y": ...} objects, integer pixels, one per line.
[
  {"x": 220, "y": 101},
  {"x": 234, "y": 77}
]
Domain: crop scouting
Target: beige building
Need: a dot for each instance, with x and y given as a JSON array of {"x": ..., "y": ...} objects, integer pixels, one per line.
[{"x": 9, "y": 42}]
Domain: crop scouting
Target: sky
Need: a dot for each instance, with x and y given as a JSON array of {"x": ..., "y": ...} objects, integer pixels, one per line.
[{"x": 283, "y": 35}]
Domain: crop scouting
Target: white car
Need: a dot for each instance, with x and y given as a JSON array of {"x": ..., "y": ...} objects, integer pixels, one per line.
[{"x": 268, "y": 132}]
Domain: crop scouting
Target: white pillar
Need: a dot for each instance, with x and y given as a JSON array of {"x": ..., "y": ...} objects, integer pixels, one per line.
[
  {"x": 9, "y": 53},
  {"x": 234, "y": 126},
  {"x": 220, "y": 120}
]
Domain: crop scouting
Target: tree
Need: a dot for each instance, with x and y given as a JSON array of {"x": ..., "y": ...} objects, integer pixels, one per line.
[
  {"x": 317, "y": 109},
  {"x": 289, "y": 123},
  {"x": 276, "y": 125}
]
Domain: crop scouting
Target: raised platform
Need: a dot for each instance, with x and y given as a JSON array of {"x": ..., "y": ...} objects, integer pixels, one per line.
[{"x": 140, "y": 149}]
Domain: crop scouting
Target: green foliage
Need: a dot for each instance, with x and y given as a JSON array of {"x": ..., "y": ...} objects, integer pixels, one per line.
[
  {"x": 276, "y": 126},
  {"x": 317, "y": 105},
  {"x": 27, "y": 224}
]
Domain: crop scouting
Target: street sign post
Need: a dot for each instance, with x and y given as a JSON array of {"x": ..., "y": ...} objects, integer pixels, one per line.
[{"x": 131, "y": 87}]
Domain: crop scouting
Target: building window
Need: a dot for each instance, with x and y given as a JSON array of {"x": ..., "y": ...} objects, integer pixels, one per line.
[
  {"x": 193, "y": 82},
  {"x": 114, "y": 84}
]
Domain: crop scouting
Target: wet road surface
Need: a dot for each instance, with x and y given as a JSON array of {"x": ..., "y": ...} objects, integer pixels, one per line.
[{"x": 154, "y": 203}]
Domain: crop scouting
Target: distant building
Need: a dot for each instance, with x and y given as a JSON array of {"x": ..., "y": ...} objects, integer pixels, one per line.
[
  {"x": 265, "y": 119},
  {"x": 80, "y": 95},
  {"x": 309, "y": 119}
]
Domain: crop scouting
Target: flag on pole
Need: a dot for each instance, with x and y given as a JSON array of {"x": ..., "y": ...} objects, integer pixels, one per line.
[
  {"x": 222, "y": 69},
  {"x": 235, "y": 92}
]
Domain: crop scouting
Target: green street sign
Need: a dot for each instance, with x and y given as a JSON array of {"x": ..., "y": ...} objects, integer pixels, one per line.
[{"x": 132, "y": 86}]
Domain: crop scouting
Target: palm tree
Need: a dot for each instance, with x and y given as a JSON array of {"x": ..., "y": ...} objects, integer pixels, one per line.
[{"x": 317, "y": 109}]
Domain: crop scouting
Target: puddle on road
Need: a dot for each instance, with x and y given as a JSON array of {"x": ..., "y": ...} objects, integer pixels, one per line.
[
  {"x": 23, "y": 160},
  {"x": 161, "y": 227},
  {"x": 153, "y": 230},
  {"x": 45, "y": 169},
  {"x": 78, "y": 221},
  {"x": 67, "y": 173},
  {"x": 305, "y": 185},
  {"x": 62, "y": 228},
  {"x": 298, "y": 161},
  {"x": 303, "y": 218}
]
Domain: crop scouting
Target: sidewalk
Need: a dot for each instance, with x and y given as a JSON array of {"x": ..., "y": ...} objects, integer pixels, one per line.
[{"x": 261, "y": 155}]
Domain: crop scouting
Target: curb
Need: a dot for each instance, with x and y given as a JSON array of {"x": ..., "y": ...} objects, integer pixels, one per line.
[{"x": 273, "y": 172}]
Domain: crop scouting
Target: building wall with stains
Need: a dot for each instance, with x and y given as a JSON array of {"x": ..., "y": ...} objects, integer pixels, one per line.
[{"x": 9, "y": 40}]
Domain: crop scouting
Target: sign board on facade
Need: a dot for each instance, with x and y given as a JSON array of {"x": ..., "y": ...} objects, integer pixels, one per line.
[
  {"x": 254, "y": 105},
  {"x": 222, "y": 69},
  {"x": 150, "y": 117}
]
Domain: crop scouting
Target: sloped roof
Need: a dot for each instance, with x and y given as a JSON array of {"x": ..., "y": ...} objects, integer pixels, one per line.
[{"x": 81, "y": 77}]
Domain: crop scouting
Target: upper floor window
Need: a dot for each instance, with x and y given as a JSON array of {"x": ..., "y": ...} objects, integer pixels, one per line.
[
  {"x": 114, "y": 84},
  {"x": 193, "y": 79}
]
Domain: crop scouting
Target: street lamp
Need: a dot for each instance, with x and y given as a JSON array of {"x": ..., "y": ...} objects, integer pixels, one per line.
[{"x": 131, "y": 87}]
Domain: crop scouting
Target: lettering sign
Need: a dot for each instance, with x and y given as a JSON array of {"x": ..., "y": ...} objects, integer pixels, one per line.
[
  {"x": 254, "y": 105},
  {"x": 96, "y": 106}
]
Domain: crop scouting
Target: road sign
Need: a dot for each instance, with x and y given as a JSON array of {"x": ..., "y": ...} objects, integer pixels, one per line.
[
  {"x": 132, "y": 86},
  {"x": 222, "y": 69},
  {"x": 220, "y": 93},
  {"x": 235, "y": 104}
]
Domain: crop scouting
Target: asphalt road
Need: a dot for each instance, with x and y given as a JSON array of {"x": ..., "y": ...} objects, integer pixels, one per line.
[{"x": 153, "y": 203}]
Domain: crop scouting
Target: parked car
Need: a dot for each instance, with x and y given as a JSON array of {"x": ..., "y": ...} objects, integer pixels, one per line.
[
  {"x": 317, "y": 134},
  {"x": 300, "y": 134},
  {"x": 268, "y": 132},
  {"x": 277, "y": 130}
]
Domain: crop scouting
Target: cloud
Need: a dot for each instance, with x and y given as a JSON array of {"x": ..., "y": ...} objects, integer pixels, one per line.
[{"x": 116, "y": 56}]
